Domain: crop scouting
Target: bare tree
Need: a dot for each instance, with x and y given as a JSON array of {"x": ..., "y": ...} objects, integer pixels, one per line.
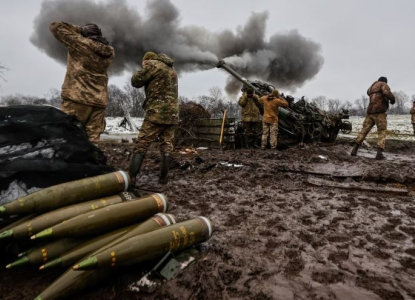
[
  {"x": 53, "y": 97},
  {"x": 333, "y": 105},
  {"x": 3, "y": 69},
  {"x": 136, "y": 99},
  {"x": 320, "y": 102},
  {"x": 401, "y": 100},
  {"x": 115, "y": 98}
]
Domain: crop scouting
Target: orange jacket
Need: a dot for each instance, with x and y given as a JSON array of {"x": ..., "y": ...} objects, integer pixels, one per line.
[{"x": 271, "y": 105}]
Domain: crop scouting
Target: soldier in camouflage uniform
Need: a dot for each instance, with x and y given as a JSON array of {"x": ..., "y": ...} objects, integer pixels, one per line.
[
  {"x": 380, "y": 95},
  {"x": 413, "y": 116},
  {"x": 162, "y": 111},
  {"x": 84, "y": 91},
  {"x": 250, "y": 116},
  {"x": 271, "y": 104}
]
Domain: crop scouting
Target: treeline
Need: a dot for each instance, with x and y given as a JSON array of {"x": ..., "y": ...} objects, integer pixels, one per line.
[{"x": 129, "y": 100}]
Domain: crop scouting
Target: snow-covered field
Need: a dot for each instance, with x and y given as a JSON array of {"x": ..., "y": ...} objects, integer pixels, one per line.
[
  {"x": 113, "y": 126},
  {"x": 399, "y": 127}
]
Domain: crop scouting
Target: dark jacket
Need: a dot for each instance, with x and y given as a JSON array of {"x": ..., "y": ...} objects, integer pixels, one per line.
[{"x": 379, "y": 95}]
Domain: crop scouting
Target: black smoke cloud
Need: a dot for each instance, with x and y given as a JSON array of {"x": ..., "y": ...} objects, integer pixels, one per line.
[{"x": 286, "y": 60}]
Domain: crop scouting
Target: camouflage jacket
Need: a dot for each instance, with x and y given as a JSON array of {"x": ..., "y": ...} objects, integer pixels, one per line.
[
  {"x": 161, "y": 87},
  {"x": 86, "y": 77},
  {"x": 271, "y": 105},
  {"x": 413, "y": 115},
  {"x": 250, "y": 108},
  {"x": 379, "y": 95}
]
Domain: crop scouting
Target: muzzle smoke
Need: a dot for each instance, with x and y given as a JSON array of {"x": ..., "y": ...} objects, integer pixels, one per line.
[{"x": 286, "y": 60}]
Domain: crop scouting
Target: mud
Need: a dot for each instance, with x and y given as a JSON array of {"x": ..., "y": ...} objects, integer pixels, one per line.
[{"x": 276, "y": 236}]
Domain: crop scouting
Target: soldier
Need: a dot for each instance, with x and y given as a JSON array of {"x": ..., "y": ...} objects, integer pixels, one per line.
[
  {"x": 379, "y": 97},
  {"x": 162, "y": 111},
  {"x": 84, "y": 91},
  {"x": 413, "y": 115},
  {"x": 250, "y": 116},
  {"x": 271, "y": 104}
]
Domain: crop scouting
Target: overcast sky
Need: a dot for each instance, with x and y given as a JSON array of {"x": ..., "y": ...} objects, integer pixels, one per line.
[{"x": 360, "y": 39}]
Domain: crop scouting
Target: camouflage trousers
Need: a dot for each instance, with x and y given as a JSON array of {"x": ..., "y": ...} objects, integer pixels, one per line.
[
  {"x": 381, "y": 124},
  {"x": 149, "y": 132},
  {"x": 250, "y": 128},
  {"x": 270, "y": 130},
  {"x": 91, "y": 117}
]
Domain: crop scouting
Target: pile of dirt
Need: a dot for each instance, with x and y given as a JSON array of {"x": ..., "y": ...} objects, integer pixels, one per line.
[{"x": 276, "y": 236}]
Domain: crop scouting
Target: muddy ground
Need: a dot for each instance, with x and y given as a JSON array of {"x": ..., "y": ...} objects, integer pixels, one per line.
[{"x": 279, "y": 234}]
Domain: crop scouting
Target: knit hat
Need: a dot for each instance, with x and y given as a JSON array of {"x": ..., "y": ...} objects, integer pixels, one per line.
[
  {"x": 149, "y": 55},
  {"x": 383, "y": 79}
]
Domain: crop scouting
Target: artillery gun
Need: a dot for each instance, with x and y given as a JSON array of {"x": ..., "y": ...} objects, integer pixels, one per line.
[{"x": 300, "y": 122}]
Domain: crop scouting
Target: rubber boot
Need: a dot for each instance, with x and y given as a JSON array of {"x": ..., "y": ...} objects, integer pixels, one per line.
[
  {"x": 246, "y": 142},
  {"x": 252, "y": 142},
  {"x": 379, "y": 154},
  {"x": 135, "y": 166},
  {"x": 355, "y": 149},
  {"x": 164, "y": 168}
]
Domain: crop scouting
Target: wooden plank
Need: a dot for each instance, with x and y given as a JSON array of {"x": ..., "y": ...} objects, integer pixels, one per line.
[{"x": 356, "y": 186}]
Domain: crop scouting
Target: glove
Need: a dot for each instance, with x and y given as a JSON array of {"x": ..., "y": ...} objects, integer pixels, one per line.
[
  {"x": 392, "y": 101},
  {"x": 91, "y": 30}
]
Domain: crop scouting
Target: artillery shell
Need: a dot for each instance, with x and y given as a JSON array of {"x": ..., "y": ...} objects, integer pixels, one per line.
[
  {"x": 151, "y": 245},
  {"x": 35, "y": 225},
  {"x": 6, "y": 231},
  {"x": 47, "y": 252},
  {"x": 68, "y": 193},
  {"x": 75, "y": 281},
  {"x": 73, "y": 255},
  {"x": 108, "y": 218}
]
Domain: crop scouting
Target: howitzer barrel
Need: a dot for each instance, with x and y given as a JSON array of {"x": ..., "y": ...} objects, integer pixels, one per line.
[
  {"x": 68, "y": 193},
  {"x": 223, "y": 65}
]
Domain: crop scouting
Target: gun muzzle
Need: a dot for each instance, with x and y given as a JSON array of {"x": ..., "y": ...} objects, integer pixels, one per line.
[{"x": 220, "y": 63}]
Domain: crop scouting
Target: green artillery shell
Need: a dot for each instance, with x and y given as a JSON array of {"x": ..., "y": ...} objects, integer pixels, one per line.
[
  {"x": 108, "y": 218},
  {"x": 47, "y": 252},
  {"x": 5, "y": 231},
  {"x": 68, "y": 193},
  {"x": 151, "y": 245},
  {"x": 75, "y": 254},
  {"x": 54, "y": 217},
  {"x": 11, "y": 221},
  {"x": 75, "y": 281}
]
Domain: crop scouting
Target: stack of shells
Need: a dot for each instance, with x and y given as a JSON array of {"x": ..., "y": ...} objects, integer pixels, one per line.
[{"x": 92, "y": 226}]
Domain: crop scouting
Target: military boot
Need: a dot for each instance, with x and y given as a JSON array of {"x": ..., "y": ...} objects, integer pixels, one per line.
[
  {"x": 135, "y": 166},
  {"x": 253, "y": 142},
  {"x": 379, "y": 154},
  {"x": 355, "y": 149},
  {"x": 164, "y": 168},
  {"x": 246, "y": 142}
]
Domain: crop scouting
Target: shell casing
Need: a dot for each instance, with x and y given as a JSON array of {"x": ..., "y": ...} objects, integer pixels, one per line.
[
  {"x": 151, "y": 245},
  {"x": 68, "y": 193},
  {"x": 75, "y": 281},
  {"x": 44, "y": 221},
  {"x": 108, "y": 218},
  {"x": 47, "y": 252}
]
